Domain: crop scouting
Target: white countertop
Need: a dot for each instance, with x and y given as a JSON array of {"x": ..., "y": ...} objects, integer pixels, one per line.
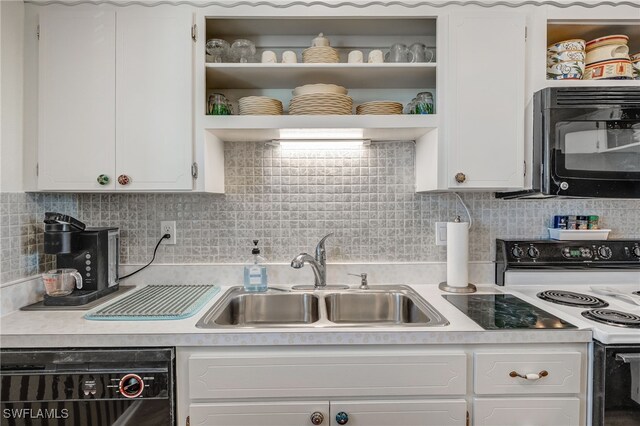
[{"x": 23, "y": 329}]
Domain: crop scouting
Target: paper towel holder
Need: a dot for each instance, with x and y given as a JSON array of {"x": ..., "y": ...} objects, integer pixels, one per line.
[{"x": 470, "y": 288}]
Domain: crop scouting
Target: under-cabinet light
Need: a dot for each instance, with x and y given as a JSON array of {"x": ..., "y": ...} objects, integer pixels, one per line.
[
  {"x": 321, "y": 134},
  {"x": 321, "y": 144}
]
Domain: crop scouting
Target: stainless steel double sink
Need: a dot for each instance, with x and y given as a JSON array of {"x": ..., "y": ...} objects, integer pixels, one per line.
[{"x": 379, "y": 306}]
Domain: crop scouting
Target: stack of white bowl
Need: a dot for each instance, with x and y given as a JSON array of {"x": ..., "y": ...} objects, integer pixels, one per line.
[
  {"x": 259, "y": 105},
  {"x": 565, "y": 60},
  {"x": 608, "y": 58},
  {"x": 320, "y": 99}
]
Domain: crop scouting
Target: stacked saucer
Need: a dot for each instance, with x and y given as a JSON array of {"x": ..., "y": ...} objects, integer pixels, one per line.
[
  {"x": 379, "y": 108},
  {"x": 321, "y": 104},
  {"x": 260, "y": 105},
  {"x": 320, "y": 55}
]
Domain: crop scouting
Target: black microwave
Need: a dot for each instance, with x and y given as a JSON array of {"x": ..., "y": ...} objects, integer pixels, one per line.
[{"x": 586, "y": 143}]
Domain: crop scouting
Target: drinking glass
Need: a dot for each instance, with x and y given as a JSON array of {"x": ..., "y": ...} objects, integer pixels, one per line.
[
  {"x": 243, "y": 50},
  {"x": 424, "y": 103},
  {"x": 420, "y": 53},
  {"x": 399, "y": 53},
  {"x": 218, "y": 104},
  {"x": 218, "y": 49}
]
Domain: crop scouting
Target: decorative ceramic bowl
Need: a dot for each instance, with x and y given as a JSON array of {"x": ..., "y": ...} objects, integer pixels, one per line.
[
  {"x": 603, "y": 41},
  {"x": 636, "y": 69},
  {"x": 614, "y": 69},
  {"x": 573, "y": 44},
  {"x": 607, "y": 52},
  {"x": 566, "y": 55},
  {"x": 634, "y": 57},
  {"x": 568, "y": 67},
  {"x": 564, "y": 76}
]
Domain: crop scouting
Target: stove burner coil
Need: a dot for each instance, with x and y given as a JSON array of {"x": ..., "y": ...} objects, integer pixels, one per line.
[
  {"x": 569, "y": 298},
  {"x": 612, "y": 317}
]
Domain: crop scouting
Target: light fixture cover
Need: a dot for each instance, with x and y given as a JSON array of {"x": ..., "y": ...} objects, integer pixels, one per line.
[{"x": 321, "y": 134}]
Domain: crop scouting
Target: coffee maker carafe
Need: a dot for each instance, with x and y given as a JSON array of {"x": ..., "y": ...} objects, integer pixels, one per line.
[{"x": 93, "y": 252}]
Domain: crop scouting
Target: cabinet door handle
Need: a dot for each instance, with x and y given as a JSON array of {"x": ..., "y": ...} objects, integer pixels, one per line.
[
  {"x": 460, "y": 177},
  {"x": 317, "y": 418},
  {"x": 124, "y": 180},
  {"x": 530, "y": 376},
  {"x": 103, "y": 179},
  {"x": 342, "y": 418}
]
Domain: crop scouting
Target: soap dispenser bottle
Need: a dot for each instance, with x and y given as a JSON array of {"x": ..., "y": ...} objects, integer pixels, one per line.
[{"x": 255, "y": 272}]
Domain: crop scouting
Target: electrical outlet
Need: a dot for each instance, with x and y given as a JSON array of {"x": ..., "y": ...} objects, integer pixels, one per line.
[
  {"x": 441, "y": 233},
  {"x": 168, "y": 227}
]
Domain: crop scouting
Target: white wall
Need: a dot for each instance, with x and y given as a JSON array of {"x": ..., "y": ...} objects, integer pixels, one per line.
[{"x": 11, "y": 99}]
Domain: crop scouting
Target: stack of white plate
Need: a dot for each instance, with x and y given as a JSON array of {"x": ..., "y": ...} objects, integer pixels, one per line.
[
  {"x": 260, "y": 105},
  {"x": 320, "y": 55},
  {"x": 379, "y": 108},
  {"x": 321, "y": 104}
]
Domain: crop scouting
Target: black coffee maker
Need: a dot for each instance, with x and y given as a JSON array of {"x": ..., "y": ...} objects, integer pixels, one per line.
[{"x": 93, "y": 252}]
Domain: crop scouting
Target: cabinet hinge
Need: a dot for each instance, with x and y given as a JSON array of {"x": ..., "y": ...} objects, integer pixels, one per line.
[
  {"x": 194, "y": 32},
  {"x": 194, "y": 170},
  {"x": 526, "y": 32},
  {"x": 524, "y": 169},
  {"x": 468, "y": 419},
  {"x": 37, "y": 169},
  {"x": 188, "y": 421},
  {"x": 38, "y": 32}
]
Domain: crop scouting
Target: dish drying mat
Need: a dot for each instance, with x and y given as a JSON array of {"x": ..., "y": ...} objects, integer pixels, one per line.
[{"x": 157, "y": 302}]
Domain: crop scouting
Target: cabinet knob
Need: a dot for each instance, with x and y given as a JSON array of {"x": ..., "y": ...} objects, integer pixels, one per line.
[
  {"x": 460, "y": 177},
  {"x": 530, "y": 376},
  {"x": 124, "y": 180},
  {"x": 103, "y": 179},
  {"x": 317, "y": 418},
  {"x": 342, "y": 418}
]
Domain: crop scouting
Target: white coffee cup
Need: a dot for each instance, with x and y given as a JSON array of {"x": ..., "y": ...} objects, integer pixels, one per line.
[
  {"x": 269, "y": 57},
  {"x": 289, "y": 57},
  {"x": 356, "y": 57},
  {"x": 376, "y": 57}
]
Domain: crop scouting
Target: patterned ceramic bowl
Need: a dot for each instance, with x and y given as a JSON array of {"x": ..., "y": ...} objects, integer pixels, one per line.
[
  {"x": 607, "y": 52},
  {"x": 603, "y": 41},
  {"x": 566, "y": 55},
  {"x": 634, "y": 57},
  {"x": 568, "y": 67},
  {"x": 636, "y": 69},
  {"x": 614, "y": 69},
  {"x": 564, "y": 76},
  {"x": 573, "y": 44}
]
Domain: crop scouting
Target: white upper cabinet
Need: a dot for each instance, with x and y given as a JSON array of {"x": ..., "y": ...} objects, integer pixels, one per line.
[
  {"x": 76, "y": 106},
  {"x": 481, "y": 144},
  {"x": 115, "y": 99},
  {"x": 153, "y": 98}
]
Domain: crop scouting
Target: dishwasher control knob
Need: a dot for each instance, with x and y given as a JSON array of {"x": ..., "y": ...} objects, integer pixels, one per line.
[
  {"x": 533, "y": 252},
  {"x": 131, "y": 386},
  {"x": 517, "y": 252}
]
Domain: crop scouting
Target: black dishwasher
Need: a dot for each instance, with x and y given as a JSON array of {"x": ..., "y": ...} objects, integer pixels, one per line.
[{"x": 87, "y": 386}]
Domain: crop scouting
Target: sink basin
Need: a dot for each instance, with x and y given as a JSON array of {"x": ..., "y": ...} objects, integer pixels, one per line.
[
  {"x": 390, "y": 307},
  {"x": 380, "y": 306},
  {"x": 241, "y": 309}
]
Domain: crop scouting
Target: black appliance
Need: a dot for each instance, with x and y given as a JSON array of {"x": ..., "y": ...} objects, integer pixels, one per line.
[
  {"x": 88, "y": 387},
  {"x": 565, "y": 255},
  {"x": 93, "y": 252},
  {"x": 586, "y": 143}
]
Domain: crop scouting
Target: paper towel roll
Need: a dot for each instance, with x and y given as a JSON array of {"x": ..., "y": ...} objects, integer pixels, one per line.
[{"x": 457, "y": 254}]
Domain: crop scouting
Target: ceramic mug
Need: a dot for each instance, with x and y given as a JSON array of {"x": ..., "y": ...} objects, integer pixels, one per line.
[
  {"x": 399, "y": 53},
  {"x": 289, "y": 57},
  {"x": 269, "y": 57},
  {"x": 355, "y": 57},
  {"x": 376, "y": 57}
]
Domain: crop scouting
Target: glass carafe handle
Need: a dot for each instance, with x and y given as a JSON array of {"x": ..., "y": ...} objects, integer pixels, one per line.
[{"x": 78, "y": 278}]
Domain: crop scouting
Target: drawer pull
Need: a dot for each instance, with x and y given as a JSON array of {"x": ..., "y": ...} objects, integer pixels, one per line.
[{"x": 530, "y": 376}]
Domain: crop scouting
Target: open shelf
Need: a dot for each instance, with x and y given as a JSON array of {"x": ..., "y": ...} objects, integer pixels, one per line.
[
  {"x": 288, "y": 76},
  {"x": 244, "y": 128}
]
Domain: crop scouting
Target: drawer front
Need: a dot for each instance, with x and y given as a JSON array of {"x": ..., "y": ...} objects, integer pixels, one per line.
[
  {"x": 493, "y": 373},
  {"x": 443, "y": 412},
  {"x": 329, "y": 377},
  {"x": 526, "y": 411},
  {"x": 258, "y": 414}
]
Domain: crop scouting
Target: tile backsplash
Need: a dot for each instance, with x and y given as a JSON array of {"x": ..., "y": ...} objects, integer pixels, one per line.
[{"x": 288, "y": 200}]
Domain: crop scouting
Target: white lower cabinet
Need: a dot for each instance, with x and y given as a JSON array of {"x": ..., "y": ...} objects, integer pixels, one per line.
[
  {"x": 526, "y": 411},
  {"x": 334, "y": 413}
]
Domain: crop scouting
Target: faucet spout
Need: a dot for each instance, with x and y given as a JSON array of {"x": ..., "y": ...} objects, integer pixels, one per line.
[{"x": 319, "y": 270}]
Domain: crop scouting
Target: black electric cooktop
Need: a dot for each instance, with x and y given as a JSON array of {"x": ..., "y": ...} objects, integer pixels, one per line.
[{"x": 505, "y": 312}]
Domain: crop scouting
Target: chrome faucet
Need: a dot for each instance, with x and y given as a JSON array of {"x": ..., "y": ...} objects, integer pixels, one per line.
[{"x": 318, "y": 264}]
